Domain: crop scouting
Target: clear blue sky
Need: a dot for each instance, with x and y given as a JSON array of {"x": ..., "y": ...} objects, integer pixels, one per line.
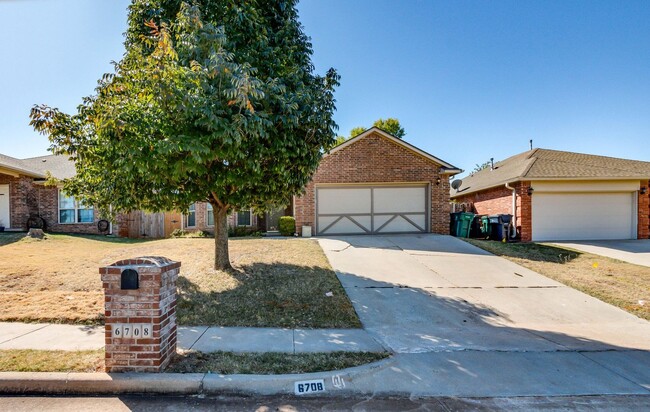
[{"x": 467, "y": 80}]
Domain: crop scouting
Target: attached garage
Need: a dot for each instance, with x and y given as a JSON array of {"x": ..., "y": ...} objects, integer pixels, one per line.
[
  {"x": 376, "y": 183},
  {"x": 584, "y": 216},
  {"x": 372, "y": 209},
  {"x": 557, "y": 195}
]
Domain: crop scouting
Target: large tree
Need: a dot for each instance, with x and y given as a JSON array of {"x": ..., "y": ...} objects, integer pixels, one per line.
[{"x": 213, "y": 101}]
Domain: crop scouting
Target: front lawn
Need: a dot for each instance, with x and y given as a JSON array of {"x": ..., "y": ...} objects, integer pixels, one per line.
[
  {"x": 619, "y": 283},
  {"x": 276, "y": 282}
]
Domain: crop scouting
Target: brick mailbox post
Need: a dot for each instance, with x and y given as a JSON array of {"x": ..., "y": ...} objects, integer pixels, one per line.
[{"x": 140, "y": 304}]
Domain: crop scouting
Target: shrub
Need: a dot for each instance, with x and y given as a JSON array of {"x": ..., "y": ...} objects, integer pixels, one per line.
[
  {"x": 287, "y": 225},
  {"x": 190, "y": 233},
  {"x": 240, "y": 231}
]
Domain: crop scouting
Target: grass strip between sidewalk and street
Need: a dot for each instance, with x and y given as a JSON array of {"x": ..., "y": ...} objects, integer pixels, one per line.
[
  {"x": 618, "y": 283},
  {"x": 269, "y": 363},
  {"x": 17, "y": 360},
  {"x": 28, "y": 360}
]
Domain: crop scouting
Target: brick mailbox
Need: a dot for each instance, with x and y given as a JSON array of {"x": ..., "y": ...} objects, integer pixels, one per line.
[{"x": 140, "y": 304}]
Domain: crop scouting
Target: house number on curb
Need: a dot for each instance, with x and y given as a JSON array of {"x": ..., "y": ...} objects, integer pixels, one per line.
[
  {"x": 132, "y": 330},
  {"x": 313, "y": 386}
]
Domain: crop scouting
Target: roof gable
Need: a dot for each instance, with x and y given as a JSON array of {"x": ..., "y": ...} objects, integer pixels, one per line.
[{"x": 447, "y": 167}]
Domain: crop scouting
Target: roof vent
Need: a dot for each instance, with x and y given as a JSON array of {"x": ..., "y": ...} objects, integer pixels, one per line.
[{"x": 491, "y": 163}]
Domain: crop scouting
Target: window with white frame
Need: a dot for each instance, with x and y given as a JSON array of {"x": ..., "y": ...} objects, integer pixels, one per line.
[
  {"x": 190, "y": 217},
  {"x": 74, "y": 211},
  {"x": 244, "y": 218},
  {"x": 209, "y": 216}
]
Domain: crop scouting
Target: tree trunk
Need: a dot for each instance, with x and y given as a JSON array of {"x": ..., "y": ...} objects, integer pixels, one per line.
[{"x": 221, "y": 257}]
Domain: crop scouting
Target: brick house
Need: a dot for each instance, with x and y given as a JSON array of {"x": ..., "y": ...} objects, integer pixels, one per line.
[
  {"x": 376, "y": 183},
  {"x": 24, "y": 196},
  {"x": 556, "y": 195}
]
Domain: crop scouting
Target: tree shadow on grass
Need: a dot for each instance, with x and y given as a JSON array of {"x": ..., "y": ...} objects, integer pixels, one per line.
[
  {"x": 532, "y": 251},
  {"x": 269, "y": 295},
  {"x": 7, "y": 238}
]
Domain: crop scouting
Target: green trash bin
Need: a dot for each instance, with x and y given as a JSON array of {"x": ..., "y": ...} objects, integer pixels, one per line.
[{"x": 463, "y": 224}]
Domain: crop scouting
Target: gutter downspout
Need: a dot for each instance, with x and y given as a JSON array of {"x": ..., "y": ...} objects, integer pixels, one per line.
[{"x": 513, "y": 224}]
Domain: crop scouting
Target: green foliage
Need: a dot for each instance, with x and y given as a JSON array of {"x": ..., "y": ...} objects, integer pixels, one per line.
[
  {"x": 214, "y": 101},
  {"x": 287, "y": 225},
  {"x": 241, "y": 231},
  {"x": 357, "y": 131},
  {"x": 178, "y": 233},
  {"x": 482, "y": 166},
  {"x": 390, "y": 125}
]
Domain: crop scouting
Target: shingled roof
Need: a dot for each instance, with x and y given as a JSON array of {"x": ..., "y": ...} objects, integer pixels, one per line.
[
  {"x": 59, "y": 167},
  {"x": 545, "y": 164}
]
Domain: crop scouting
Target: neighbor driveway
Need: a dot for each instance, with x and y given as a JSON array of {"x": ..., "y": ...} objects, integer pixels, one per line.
[
  {"x": 454, "y": 312},
  {"x": 632, "y": 251}
]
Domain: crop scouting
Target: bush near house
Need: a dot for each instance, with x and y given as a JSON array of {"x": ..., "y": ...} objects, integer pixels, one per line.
[{"x": 287, "y": 226}]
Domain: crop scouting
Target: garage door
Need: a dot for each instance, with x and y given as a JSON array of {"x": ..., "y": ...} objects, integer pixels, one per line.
[
  {"x": 371, "y": 210},
  {"x": 583, "y": 216}
]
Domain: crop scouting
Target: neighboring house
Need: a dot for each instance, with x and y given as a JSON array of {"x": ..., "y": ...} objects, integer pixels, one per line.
[
  {"x": 376, "y": 183},
  {"x": 563, "y": 196},
  {"x": 24, "y": 196}
]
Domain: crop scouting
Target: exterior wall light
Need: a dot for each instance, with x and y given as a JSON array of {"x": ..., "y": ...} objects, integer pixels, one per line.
[
  {"x": 438, "y": 182},
  {"x": 643, "y": 190},
  {"x": 530, "y": 190}
]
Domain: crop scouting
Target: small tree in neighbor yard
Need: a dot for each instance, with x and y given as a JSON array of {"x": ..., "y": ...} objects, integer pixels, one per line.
[
  {"x": 390, "y": 125},
  {"x": 214, "y": 101}
]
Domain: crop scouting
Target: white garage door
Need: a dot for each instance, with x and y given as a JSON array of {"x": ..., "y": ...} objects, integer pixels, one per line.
[
  {"x": 583, "y": 216},
  {"x": 371, "y": 210}
]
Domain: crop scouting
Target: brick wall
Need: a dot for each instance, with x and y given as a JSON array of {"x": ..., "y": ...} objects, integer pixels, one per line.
[
  {"x": 27, "y": 199},
  {"x": 643, "y": 228},
  {"x": 498, "y": 200},
  {"x": 202, "y": 218},
  {"x": 152, "y": 304},
  {"x": 375, "y": 159},
  {"x": 23, "y": 200}
]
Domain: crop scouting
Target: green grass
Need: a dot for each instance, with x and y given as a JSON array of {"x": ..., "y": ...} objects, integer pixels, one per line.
[
  {"x": 26, "y": 360},
  {"x": 271, "y": 363},
  {"x": 10, "y": 237}
]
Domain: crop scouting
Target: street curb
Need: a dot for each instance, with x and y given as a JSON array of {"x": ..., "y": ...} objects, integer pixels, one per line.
[{"x": 74, "y": 383}]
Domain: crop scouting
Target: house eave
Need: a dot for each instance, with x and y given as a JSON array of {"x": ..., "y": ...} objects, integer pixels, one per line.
[{"x": 462, "y": 193}]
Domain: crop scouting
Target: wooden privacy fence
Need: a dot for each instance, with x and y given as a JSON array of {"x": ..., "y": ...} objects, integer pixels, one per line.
[{"x": 140, "y": 224}]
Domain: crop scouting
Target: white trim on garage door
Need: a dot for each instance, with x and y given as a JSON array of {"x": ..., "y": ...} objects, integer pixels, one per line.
[
  {"x": 584, "y": 216},
  {"x": 372, "y": 209}
]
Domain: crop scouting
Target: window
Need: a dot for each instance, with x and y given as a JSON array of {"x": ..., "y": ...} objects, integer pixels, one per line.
[
  {"x": 209, "y": 216},
  {"x": 190, "y": 217},
  {"x": 244, "y": 218},
  {"x": 73, "y": 211}
]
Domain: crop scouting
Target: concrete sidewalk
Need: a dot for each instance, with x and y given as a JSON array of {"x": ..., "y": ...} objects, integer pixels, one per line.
[
  {"x": 43, "y": 336},
  {"x": 632, "y": 251}
]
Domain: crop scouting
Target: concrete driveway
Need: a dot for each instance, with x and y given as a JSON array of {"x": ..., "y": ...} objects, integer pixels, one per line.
[
  {"x": 444, "y": 305},
  {"x": 632, "y": 251}
]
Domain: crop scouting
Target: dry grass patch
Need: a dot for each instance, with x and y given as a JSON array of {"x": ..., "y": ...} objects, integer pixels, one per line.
[
  {"x": 276, "y": 282},
  {"x": 19, "y": 360},
  {"x": 271, "y": 363},
  {"x": 619, "y": 283}
]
